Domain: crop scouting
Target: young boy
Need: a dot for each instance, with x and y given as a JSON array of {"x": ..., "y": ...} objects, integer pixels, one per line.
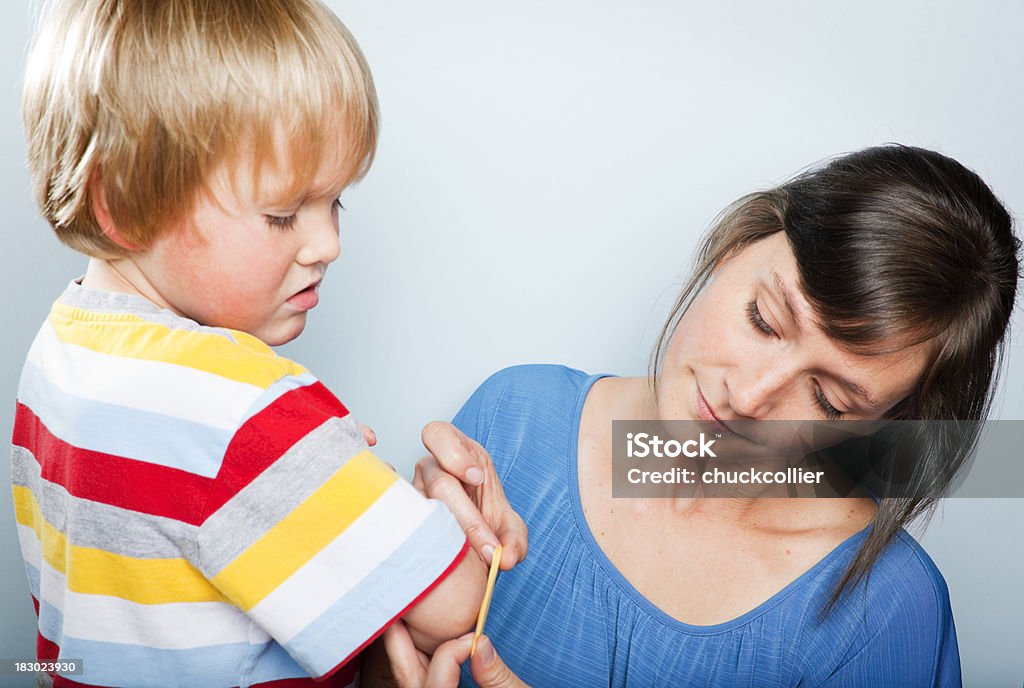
[{"x": 193, "y": 509}]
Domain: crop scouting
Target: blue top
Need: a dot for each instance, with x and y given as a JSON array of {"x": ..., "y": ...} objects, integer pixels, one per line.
[{"x": 566, "y": 617}]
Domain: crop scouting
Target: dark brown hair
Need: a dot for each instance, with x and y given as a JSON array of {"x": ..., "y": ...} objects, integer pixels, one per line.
[{"x": 895, "y": 246}]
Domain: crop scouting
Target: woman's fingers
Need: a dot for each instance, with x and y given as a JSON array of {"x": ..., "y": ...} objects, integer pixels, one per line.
[
  {"x": 502, "y": 518},
  {"x": 513, "y": 537},
  {"x": 481, "y": 507},
  {"x": 412, "y": 669},
  {"x": 408, "y": 665},
  {"x": 439, "y": 484},
  {"x": 488, "y": 669},
  {"x": 454, "y": 451},
  {"x": 446, "y": 662}
]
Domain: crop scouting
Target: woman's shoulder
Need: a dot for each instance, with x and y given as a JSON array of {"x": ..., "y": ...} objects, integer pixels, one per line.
[
  {"x": 522, "y": 402},
  {"x": 895, "y": 628},
  {"x": 903, "y": 587},
  {"x": 535, "y": 378},
  {"x": 530, "y": 388},
  {"x": 906, "y": 590},
  {"x": 905, "y": 568}
]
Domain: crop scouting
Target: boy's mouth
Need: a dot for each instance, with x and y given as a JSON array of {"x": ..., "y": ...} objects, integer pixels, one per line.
[{"x": 307, "y": 298}]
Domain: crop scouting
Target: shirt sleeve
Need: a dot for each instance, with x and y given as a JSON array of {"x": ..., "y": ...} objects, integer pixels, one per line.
[
  {"x": 313, "y": 536},
  {"x": 908, "y": 637},
  {"x": 476, "y": 417}
]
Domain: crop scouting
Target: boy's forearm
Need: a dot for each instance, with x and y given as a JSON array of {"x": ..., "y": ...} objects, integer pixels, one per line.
[{"x": 451, "y": 608}]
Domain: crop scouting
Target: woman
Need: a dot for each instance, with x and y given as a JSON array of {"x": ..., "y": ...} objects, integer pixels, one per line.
[{"x": 876, "y": 287}]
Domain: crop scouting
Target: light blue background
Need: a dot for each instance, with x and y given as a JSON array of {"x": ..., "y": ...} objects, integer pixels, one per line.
[{"x": 543, "y": 174}]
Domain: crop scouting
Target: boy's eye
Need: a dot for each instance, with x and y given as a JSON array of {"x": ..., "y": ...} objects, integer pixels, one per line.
[
  {"x": 280, "y": 222},
  {"x": 754, "y": 316}
]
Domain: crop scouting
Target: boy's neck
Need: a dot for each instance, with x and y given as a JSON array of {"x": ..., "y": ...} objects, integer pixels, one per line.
[{"x": 121, "y": 275}]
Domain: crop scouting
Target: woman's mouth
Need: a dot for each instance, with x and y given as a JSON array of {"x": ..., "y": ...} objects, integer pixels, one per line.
[{"x": 708, "y": 415}]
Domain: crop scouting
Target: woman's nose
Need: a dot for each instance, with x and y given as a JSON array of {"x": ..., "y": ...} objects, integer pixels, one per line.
[{"x": 755, "y": 390}]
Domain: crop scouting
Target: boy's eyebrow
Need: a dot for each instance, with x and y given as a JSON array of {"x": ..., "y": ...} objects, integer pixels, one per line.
[
  {"x": 277, "y": 197},
  {"x": 788, "y": 302},
  {"x": 323, "y": 191}
]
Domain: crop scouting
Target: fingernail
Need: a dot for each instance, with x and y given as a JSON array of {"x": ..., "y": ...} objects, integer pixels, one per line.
[
  {"x": 475, "y": 476},
  {"x": 485, "y": 650},
  {"x": 488, "y": 552}
]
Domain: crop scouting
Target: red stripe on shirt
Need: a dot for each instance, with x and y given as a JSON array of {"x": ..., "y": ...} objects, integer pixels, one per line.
[
  {"x": 64, "y": 682},
  {"x": 115, "y": 480},
  {"x": 46, "y": 650},
  {"x": 265, "y": 437},
  {"x": 339, "y": 680}
]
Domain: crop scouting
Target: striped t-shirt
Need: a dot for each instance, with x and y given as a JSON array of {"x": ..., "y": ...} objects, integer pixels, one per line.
[{"x": 195, "y": 510}]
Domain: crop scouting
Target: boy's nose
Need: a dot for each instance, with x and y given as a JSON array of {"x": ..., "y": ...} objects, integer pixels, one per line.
[{"x": 320, "y": 245}]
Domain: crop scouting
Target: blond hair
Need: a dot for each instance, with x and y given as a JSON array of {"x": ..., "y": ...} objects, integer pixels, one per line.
[{"x": 152, "y": 96}]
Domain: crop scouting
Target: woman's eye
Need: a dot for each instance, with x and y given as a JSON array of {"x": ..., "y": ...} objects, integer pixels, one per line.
[
  {"x": 337, "y": 204},
  {"x": 830, "y": 411},
  {"x": 754, "y": 316},
  {"x": 280, "y": 222}
]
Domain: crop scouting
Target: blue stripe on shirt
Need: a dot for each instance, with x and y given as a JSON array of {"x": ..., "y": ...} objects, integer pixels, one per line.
[{"x": 121, "y": 430}]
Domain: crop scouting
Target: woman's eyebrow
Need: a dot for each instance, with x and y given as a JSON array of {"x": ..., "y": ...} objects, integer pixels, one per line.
[
  {"x": 787, "y": 300},
  {"x": 860, "y": 391},
  {"x": 794, "y": 313}
]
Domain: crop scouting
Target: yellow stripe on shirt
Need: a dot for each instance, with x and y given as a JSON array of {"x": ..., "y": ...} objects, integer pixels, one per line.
[
  {"x": 28, "y": 513},
  {"x": 95, "y": 571},
  {"x": 130, "y": 336},
  {"x": 314, "y": 524}
]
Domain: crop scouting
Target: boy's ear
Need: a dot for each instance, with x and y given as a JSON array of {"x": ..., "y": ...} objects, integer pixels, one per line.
[{"x": 101, "y": 211}]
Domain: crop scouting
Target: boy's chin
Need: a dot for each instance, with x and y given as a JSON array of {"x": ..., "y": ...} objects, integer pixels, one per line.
[{"x": 282, "y": 333}]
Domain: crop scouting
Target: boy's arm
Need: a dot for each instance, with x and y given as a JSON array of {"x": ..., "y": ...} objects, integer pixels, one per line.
[
  {"x": 319, "y": 542},
  {"x": 459, "y": 472},
  {"x": 450, "y": 608}
]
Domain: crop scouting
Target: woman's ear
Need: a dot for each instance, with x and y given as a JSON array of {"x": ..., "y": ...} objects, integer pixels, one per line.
[{"x": 101, "y": 211}]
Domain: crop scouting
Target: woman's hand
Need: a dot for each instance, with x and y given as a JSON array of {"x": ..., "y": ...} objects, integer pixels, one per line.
[
  {"x": 410, "y": 668},
  {"x": 460, "y": 473}
]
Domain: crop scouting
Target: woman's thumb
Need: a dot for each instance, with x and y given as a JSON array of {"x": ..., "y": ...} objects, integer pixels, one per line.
[{"x": 488, "y": 670}]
